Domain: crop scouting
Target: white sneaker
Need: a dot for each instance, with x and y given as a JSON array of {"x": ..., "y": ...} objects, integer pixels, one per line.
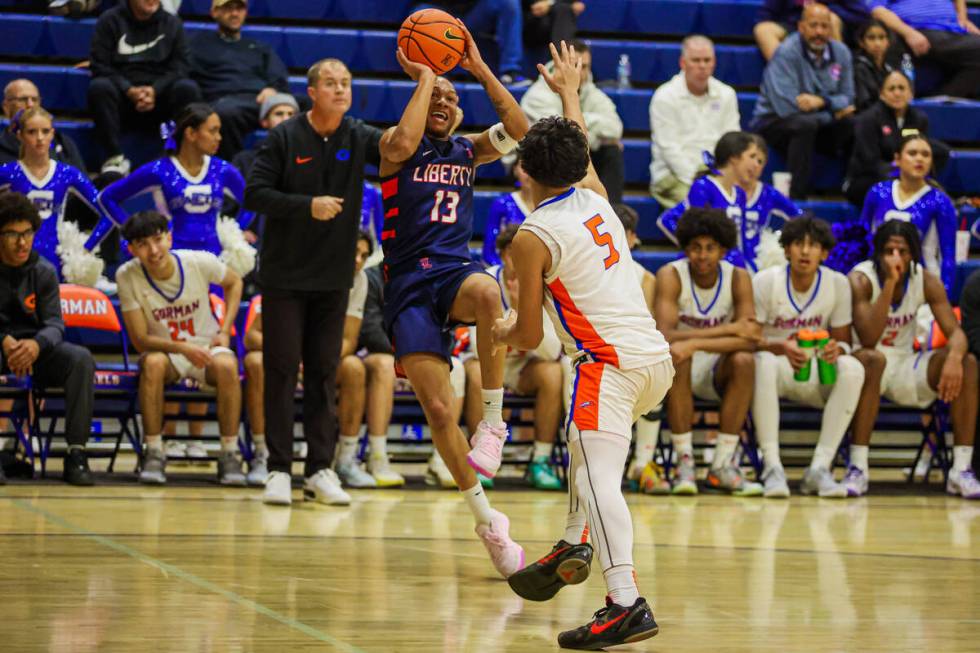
[
  {"x": 175, "y": 449},
  {"x": 964, "y": 484},
  {"x": 197, "y": 451},
  {"x": 380, "y": 468},
  {"x": 774, "y": 485},
  {"x": 278, "y": 489},
  {"x": 324, "y": 487},
  {"x": 856, "y": 481},
  {"x": 821, "y": 482},
  {"x": 352, "y": 475},
  {"x": 118, "y": 164},
  {"x": 437, "y": 474}
]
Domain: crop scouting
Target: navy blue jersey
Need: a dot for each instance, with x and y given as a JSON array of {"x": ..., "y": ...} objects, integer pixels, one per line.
[{"x": 428, "y": 205}]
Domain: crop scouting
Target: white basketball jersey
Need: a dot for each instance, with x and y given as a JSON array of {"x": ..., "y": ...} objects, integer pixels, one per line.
[
  {"x": 178, "y": 308},
  {"x": 550, "y": 347},
  {"x": 592, "y": 294},
  {"x": 900, "y": 325},
  {"x": 703, "y": 308},
  {"x": 783, "y": 311}
]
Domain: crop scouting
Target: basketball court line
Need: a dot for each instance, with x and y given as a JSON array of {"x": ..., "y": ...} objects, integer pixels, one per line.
[
  {"x": 393, "y": 539},
  {"x": 172, "y": 570}
]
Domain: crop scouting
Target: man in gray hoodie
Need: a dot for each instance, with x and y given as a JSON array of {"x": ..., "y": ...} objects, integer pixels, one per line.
[
  {"x": 603, "y": 123},
  {"x": 807, "y": 97}
]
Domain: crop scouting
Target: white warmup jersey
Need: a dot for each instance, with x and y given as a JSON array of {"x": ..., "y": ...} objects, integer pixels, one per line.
[
  {"x": 177, "y": 308},
  {"x": 357, "y": 297},
  {"x": 641, "y": 272},
  {"x": 900, "y": 326},
  {"x": 703, "y": 308},
  {"x": 826, "y": 304},
  {"x": 592, "y": 294}
]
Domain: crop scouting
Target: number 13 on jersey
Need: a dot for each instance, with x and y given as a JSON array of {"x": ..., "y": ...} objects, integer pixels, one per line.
[{"x": 602, "y": 239}]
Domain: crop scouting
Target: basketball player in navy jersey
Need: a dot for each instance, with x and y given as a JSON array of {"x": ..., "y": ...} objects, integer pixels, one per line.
[{"x": 431, "y": 282}]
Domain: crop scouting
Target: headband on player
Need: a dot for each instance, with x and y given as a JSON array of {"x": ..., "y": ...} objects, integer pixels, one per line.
[{"x": 501, "y": 140}]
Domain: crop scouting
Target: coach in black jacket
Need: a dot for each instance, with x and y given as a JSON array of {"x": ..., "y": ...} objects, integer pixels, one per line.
[
  {"x": 307, "y": 180},
  {"x": 140, "y": 68},
  {"x": 32, "y": 331}
]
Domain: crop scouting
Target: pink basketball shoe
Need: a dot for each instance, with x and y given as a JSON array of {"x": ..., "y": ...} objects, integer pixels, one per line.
[
  {"x": 488, "y": 448},
  {"x": 506, "y": 554}
]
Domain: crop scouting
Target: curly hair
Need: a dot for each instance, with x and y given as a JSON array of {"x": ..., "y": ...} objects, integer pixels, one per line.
[
  {"x": 713, "y": 223},
  {"x": 17, "y": 207},
  {"x": 144, "y": 225},
  {"x": 902, "y": 229},
  {"x": 627, "y": 215},
  {"x": 798, "y": 229},
  {"x": 555, "y": 152}
]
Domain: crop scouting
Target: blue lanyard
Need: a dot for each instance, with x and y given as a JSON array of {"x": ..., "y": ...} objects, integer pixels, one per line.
[
  {"x": 694, "y": 294},
  {"x": 180, "y": 290},
  {"x": 813, "y": 295}
]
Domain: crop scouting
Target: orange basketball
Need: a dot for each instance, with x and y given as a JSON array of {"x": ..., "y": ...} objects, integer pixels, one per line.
[{"x": 433, "y": 38}]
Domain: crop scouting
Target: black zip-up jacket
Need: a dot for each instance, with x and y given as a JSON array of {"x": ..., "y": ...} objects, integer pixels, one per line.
[
  {"x": 867, "y": 81},
  {"x": 152, "y": 52},
  {"x": 877, "y": 137},
  {"x": 30, "y": 303},
  {"x": 294, "y": 165}
]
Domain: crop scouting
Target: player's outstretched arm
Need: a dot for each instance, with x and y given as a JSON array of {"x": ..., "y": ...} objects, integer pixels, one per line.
[
  {"x": 525, "y": 330},
  {"x": 400, "y": 142},
  {"x": 490, "y": 145},
  {"x": 563, "y": 79}
]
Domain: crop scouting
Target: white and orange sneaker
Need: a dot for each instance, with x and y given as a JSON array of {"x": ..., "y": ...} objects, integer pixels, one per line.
[
  {"x": 506, "y": 554},
  {"x": 488, "y": 449}
]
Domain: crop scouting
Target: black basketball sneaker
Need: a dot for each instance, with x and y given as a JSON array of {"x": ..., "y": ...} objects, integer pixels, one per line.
[
  {"x": 611, "y": 626},
  {"x": 567, "y": 564}
]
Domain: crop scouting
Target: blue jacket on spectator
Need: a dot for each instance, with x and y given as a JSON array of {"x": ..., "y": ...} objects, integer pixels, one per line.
[{"x": 793, "y": 71}]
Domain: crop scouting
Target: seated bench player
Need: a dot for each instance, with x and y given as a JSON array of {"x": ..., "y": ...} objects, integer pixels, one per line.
[
  {"x": 887, "y": 293},
  {"x": 536, "y": 373},
  {"x": 804, "y": 294},
  {"x": 704, "y": 308},
  {"x": 163, "y": 296}
]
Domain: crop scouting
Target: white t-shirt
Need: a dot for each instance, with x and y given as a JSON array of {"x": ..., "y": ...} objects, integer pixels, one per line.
[
  {"x": 358, "y": 296},
  {"x": 592, "y": 293},
  {"x": 826, "y": 304},
  {"x": 900, "y": 325},
  {"x": 703, "y": 308},
  {"x": 178, "y": 308}
]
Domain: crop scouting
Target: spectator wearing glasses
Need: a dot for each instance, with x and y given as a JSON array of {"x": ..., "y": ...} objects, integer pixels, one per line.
[{"x": 32, "y": 331}]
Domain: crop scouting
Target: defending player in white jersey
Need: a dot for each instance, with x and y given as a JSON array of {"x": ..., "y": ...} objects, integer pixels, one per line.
[
  {"x": 163, "y": 296},
  {"x": 887, "y": 293},
  {"x": 804, "y": 295},
  {"x": 704, "y": 307},
  {"x": 571, "y": 254}
]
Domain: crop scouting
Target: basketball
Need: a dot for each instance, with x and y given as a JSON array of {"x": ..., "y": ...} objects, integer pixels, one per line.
[{"x": 433, "y": 38}]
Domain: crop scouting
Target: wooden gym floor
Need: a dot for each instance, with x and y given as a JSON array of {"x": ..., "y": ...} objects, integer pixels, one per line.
[{"x": 192, "y": 567}]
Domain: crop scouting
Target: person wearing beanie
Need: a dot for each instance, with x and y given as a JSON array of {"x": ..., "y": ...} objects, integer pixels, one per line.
[{"x": 237, "y": 74}]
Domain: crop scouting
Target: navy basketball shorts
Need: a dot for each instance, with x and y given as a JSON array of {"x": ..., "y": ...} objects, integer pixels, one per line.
[{"x": 417, "y": 303}]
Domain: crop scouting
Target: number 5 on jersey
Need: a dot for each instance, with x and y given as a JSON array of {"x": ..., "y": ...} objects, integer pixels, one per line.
[{"x": 602, "y": 239}]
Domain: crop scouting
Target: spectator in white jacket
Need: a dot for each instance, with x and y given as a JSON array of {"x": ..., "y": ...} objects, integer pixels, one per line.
[
  {"x": 688, "y": 115},
  {"x": 601, "y": 120}
]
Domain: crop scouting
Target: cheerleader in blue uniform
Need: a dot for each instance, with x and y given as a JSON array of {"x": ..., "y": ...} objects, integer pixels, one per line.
[
  {"x": 47, "y": 183},
  {"x": 914, "y": 198},
  {"x": 737, "y": 157},
  {"x": 766, "y": 210},
  {"x": 509, "y": 208},
  {"x": 189, "y": 186}
]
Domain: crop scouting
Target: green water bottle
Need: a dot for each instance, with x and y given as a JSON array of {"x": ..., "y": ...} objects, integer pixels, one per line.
[
  {"x": 805, "y": 340},
  {"x": 826, "y": 371}
]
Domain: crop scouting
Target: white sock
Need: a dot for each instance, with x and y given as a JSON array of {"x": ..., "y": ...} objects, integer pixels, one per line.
[
  {"x": 683, "y": 443},
  {"x": 229, "y": 444},
  {"x": 859, "y": 456},
  {"x": 258, "y": 441},
  {"x": 724, "y": 450},
  {"x": 153, "y": 441},
  {"x": 378, "y": 445},
  {"x": 542, "y": 450},
  {"x": 647, "y": 433},
  {"x": 962, "y": 458},
  {"x": 493, "y": 406},
  {"x": 838, "y": 410},
  {"x": 765, "y": 408},
  {"x": 597, "y": 483},
  {"x": 476, "y": 499},
  {"x": 621, "y": 585},
  {"x": 348, "y": 448}
]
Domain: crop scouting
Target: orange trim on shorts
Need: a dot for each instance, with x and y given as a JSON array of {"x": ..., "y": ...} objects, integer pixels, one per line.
[{"x": 585, "y": 411}]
